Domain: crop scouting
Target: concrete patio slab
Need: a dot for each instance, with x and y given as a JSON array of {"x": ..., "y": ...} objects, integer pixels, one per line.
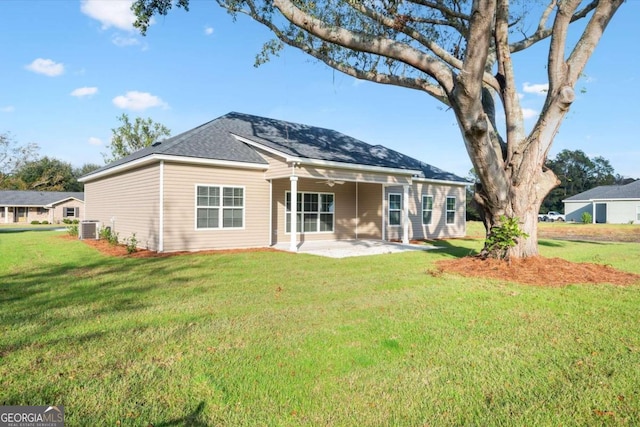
[{"x": 351, "y": 248}]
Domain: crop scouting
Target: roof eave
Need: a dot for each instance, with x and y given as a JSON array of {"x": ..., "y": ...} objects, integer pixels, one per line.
[{"x": 154, "y": 158}]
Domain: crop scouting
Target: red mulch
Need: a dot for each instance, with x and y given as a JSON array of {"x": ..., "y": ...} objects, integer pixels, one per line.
[{"x": 537, "y": 271}]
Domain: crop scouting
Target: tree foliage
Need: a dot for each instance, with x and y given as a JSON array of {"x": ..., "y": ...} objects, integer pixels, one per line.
[
  {"x": 130, "y": 137},
  {"x": 577, "y": 173},
  {"x": 46, "y": 174},
  {"x": 12, "y": 157},
  {"x": 459, "y": 52}
]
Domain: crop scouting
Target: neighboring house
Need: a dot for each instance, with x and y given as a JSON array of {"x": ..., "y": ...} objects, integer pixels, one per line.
[
  {"x": 27, "y": 206},
  {"x": 229, "y": 183},
  {"x": 613, "y": 204}
]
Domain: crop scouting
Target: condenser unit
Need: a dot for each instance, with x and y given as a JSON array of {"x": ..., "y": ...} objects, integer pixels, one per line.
[{"x": 89, "y": 230}]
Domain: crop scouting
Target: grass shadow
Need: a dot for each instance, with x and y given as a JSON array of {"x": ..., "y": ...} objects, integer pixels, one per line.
[{"x": 194, "y": 419}]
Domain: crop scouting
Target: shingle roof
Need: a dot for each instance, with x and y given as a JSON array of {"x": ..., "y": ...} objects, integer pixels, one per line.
[
  {"x": 35, "y": 198},
  {"x": 628, "y": 191},
  {"x": 214, "y": 140}
]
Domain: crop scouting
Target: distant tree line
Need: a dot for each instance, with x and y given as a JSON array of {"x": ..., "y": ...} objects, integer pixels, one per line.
[
  {"x": 577, "y": 173},
  {"x": 22, "y": 168}
]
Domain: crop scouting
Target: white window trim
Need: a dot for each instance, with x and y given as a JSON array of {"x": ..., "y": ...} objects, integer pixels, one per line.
[
  {"x": 446, "y": 210},
  {"x": 637, "y": 213},
  {"x": 389, "y": 210},
  {"x": 220, "y": 228},
  {"x": 302, "y": 212},
  {"x": 424, "y": 196}
]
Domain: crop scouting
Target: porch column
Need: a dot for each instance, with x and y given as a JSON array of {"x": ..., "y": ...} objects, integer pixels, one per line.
[
  {"x": 294, "y": 214},
  {"x": 405, "y": 215},
  {"x": 6, "y": 214},
  {"x": 593, "y": 212}
]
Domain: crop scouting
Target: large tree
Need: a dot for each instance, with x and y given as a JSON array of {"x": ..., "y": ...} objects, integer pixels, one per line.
[
  {"x": 130, "y": 137},
  {"x": 46, "y": 174},
  {"x": 459, "y": 52},
  {"x": 12, "y": 157}
]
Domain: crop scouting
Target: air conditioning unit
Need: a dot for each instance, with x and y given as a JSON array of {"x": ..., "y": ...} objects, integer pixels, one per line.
[{"x": 89, "y": 230}]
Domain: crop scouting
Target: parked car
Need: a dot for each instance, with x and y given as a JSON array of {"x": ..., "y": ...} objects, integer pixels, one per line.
[{"x": 551, "y": 216}]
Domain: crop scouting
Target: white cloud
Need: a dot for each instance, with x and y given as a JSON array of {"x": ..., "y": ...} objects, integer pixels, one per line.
[
  {"x": 138, "y": 101},
  {"x": 122, "y": 41},
  {"x": 95, "y": 141},
  {"x": 84, "y": 91},
  {"x": 46, "y": 67},
  {"x": 110, "y": 13},
  {"x": 8, "y": 109},
  {"x": 529, "y": 113},
  {"x": 537, "y": 88},
  {"x": 208, "y": 31}
]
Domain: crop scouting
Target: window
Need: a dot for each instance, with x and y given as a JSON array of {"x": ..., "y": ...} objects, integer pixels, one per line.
[
  {"x": 638, "y": 213},
  {"x": 427, "y": 209},
  {"x": 219, "y": 207},
  {"x": 451, "y": 210},
  {"x": 395, "y": 208},
  {"x": 66, "y": 212},
  {"x": 42, "y": 211},
  {"x": 315, "y": 212}
]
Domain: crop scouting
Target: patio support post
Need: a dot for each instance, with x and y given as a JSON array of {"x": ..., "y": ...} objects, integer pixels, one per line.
[
  {"x": 6, "y": 214},
  {"x": 294, "y": 214},
  {"x": 405, "y": 215}
]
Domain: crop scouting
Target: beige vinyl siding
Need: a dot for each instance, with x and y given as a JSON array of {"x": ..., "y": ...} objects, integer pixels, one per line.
[
  {"x": 180, "y": 233},
  {"x": 57, "y": 212},
  {"x": 369, "y": 211},
  {"x": 438, "y": 229},
  {"x": 131, "y": 199}
]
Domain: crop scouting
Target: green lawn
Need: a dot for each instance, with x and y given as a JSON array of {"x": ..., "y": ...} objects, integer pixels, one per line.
[{"x": 277, "y": 339}]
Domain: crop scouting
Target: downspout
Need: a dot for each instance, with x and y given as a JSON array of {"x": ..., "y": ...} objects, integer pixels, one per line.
[
  {"x": 384, "y": 209},
  {"x": 270, "y": 240},
  {"x": 405, "y": 215},
  {"x": 293, "y": 247},
  {"x": 161, "y": 210},
  {"x": 357, "y": 211}
]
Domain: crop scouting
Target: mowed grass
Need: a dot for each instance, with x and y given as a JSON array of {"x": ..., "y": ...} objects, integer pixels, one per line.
[{"x": 278, "y": 339}]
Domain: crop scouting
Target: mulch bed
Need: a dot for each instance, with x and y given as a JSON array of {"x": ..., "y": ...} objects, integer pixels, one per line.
[{"x": 538, "y": 271}]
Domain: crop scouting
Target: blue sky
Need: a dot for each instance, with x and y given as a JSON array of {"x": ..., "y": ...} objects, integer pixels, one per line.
[{"x": 69, "y": 68}]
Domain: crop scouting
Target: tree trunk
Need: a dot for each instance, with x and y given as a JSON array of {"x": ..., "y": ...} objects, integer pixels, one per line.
[{"x": 517, "y": 193}]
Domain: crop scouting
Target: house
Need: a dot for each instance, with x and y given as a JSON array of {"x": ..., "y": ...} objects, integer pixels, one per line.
[
  {"x": 613, "y": 204},
  {"x": 230, "y": 183},
  {"x": 27, "y": 206}
]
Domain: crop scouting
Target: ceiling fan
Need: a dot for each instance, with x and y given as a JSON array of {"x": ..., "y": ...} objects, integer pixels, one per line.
[{"x": 331, "y": 182}]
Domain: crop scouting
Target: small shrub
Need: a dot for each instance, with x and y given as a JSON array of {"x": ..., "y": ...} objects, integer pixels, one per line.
[
  {"x": 75, "y": 221},
  {"x": 35, "y": 222},
  {"x": 66, "y": 220},
  {"x": 45, "y": 222},
  {"x": 586, "y": 218},
  {"x": 504, "y": 237},
  {"x": 72, "y": 230},
  {"x": 132, "y": 244},
  {"x": 107, "y": 234}
]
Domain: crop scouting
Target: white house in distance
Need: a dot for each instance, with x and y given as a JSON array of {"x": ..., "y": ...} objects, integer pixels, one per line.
[
  {"x": 27, "y": 206},
  {"x": 613, "y": 204},
  {"x": 230, "y": 183}
]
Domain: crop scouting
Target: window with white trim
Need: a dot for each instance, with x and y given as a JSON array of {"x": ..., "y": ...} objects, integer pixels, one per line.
[
  {"x": 451, "y": 210},
  {"x": 427, "y": 209},
  {"x": 638, "y": 213},
  {"x": 395, "y": 208},
  {"x": 315, "y": 212},
  {"x": 219, "y": 207}
]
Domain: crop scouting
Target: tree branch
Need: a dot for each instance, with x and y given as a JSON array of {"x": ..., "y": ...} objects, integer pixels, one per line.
[{"x": 376, "y": 45}]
